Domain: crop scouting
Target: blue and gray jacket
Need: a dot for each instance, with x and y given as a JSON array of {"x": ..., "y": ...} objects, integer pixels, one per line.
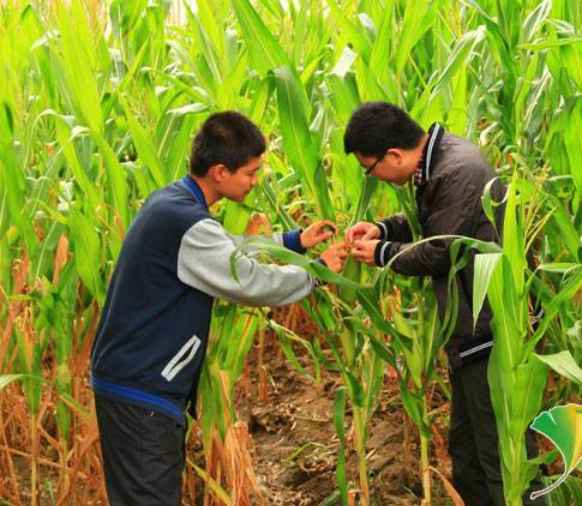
[{"x": 176, "y": 258}]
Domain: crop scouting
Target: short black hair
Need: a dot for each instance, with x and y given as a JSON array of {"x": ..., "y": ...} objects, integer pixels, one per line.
[
  {"x": 376, "y": 127},
  {"x": 226, "y": 137}
]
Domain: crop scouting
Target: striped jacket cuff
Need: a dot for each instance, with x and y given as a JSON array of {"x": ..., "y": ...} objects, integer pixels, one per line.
[
  {"x": 292, "y": 241},
  {"x": 383, "y": 230},
  {"x": 383, "y": 253}
]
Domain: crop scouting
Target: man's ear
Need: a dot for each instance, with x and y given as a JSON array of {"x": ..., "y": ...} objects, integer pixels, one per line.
[
  {"x": 396, "y": 154},
  {"x": 218, "y": 172}
]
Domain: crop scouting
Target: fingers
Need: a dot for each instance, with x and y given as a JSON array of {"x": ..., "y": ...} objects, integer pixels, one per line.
[
  {"x": 319, "y": 227},
  {"x": 335, "y": 256},
  {"x": 362, "y": 257},
  {"x": 349, "y": 236},
  {"x": 318, "y": 232},
  {"x": 357, "y": 231},
  {"x": 371, "y": 233},
  {"x": 339, "y": 250},
  {"x": 359, "y": 251},
  {"x": 327, "y": 223},
  {"x": 363, "y": 251},
  {"x": 337, "y": 264},
  {"x": 324, "y": 237}
]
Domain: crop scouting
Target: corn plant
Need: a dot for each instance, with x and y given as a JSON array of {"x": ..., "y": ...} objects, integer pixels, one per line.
[
  {"x": 98, "y": 104},
  {"x": 517, "y": 375}
]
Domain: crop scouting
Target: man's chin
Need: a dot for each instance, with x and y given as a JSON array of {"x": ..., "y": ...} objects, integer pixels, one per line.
[{"x": 238, "y": 198}]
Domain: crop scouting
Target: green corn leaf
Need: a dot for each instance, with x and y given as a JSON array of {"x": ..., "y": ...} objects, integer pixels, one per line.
[
  {"x": 415, "y": 22},
  {"x": 297, "y": 140},
  {"x": 66, "y": 136},
  {"x": 145, "y": 147},
  {"x": 271, "y": 197},
  {"x": 569, "y": 289},
  {"x": 513, "y": 240},
  {"x": 485, "y": 265},
  {"x": 459, "y": 58},
  {"x": 266, "y": 52},
  {"x": 210, "y": 23},
  {"x": 354, "y": 34},
  {"x": 355, "y": 389},
  {"x": 559, "y": 267},
  {"x": 6, "y": 379},
  {"x": 238, "y": 340},
  {"x": 535, "y": 20},
  {"x": 352, "y": 270},
  {"x": 564, "y": 364},
  {"x": 265, "y": 245},
  {"x": 339, "y": 409},
  {"x": 87, "y": 249},
  {"x": 261, "y": 99},
  {"x": 413, "y": 404},
  {"x": 30, "y": 359},
  {"x": 384, "y": 43},
  {"x": 205, "y": 41},
  {"x": 76, "y": 406},
  {"x": 285, "y": 337},
  {"x": 115, "y": 178},
  {"x": 370, "y": 186},
  {"x": 12, "y": 191},
  {"x": 550, "y": 44},
  {"x": 371, "y": 305},
  {"x": 572, "y": 134},
  {"x": 236, "y": 217},
  {"x": 79, "y": 61}
]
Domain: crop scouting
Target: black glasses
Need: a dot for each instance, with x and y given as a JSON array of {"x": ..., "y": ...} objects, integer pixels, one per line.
[{"x": 373, "y": 166}]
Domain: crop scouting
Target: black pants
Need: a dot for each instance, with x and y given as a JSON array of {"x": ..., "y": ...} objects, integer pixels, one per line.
[
  {"x": 473, "y": 440},
  {"x": 143, "y": 455}
]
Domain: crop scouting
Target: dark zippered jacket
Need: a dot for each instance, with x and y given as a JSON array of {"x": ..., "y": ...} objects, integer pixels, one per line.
[{"x": 454, "y": 176}]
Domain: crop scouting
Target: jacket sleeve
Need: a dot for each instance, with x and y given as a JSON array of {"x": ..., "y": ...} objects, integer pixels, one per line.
[
  {"x": 395, "y": 228},
  {"x": 456, "y": 211},
  {"x": 204, "y": 263}
]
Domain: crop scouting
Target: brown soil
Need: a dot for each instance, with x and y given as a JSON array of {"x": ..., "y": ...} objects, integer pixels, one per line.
[{"x": 295, "y": 444}]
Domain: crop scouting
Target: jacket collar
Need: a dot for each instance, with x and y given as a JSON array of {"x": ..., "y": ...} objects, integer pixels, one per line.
[
  {"x": 429, "y": 153},
  {"x": 193, "y": 187}
]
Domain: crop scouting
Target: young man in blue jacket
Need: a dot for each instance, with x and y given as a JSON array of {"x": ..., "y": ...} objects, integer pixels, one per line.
[{"x": 152, "y": 337}]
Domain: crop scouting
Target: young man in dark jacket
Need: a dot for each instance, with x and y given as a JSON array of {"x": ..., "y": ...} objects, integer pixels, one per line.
[
  {"x": 450, "y": 175},
  {"x": 153, "y": 333}
]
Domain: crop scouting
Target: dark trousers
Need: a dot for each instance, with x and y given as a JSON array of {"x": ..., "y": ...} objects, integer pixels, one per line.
[
  {"x": 473, "y": 440},
  {"x": 143, "y": 455}
]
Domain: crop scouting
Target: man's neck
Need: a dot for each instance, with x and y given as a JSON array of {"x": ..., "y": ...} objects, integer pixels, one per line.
[
  {"x": 417, "y": 154},
  {"x": 210, "y": 195},
  {"x": 420, "y": 148}
]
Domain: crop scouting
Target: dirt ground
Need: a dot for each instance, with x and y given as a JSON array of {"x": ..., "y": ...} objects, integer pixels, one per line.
[{"x": 295, "y": 446}]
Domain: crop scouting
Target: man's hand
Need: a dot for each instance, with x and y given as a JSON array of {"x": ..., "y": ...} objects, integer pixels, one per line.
[
  {"x": 316, "y": 233},
  {"x": 363, "y": 251},
  {"x": 361, "y": 231},
  {"x": 335, "y": 256}
]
